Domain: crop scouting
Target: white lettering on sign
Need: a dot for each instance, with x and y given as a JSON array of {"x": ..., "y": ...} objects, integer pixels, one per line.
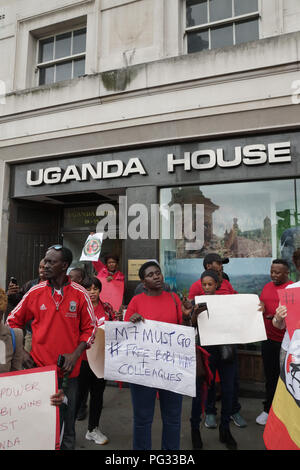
[
  {"x": 102, "y": 170},
  {"x": 257, "y": 154}
]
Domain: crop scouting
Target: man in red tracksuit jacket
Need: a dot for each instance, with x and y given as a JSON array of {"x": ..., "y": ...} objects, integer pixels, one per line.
[{"x": 63, "y": 324}]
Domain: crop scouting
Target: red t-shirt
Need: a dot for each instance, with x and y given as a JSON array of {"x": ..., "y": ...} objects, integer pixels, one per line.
[
  {"x": 269, "y": 297},
  {"x": 157, "y": 308},
  {"x": 224, "y": 289}
]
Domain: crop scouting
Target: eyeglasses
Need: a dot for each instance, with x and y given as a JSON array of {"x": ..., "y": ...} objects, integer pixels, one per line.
[{"x": 55, "y": 247}]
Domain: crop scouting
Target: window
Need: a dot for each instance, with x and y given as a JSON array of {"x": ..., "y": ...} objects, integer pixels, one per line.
[
  {"x": 62, "y": 57},
  {"x": 251, "y": 223},
  {"x": 214, "y": 24}
]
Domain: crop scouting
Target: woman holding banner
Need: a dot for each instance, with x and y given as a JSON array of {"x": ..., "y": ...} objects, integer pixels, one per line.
[{"x": 162, "y": 306}]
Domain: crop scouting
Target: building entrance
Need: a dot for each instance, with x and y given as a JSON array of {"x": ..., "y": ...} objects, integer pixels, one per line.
[
  {"x": 78, "y": 223},
  {"x": 65, "y": 219}
]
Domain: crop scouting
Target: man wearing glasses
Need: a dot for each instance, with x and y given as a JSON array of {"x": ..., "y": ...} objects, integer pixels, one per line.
[{"x": 63, "y": 325}]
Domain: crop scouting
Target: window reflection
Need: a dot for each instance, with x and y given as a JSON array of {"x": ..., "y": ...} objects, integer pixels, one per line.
[
  {"x": 251, "y": 223},
  {"x": 198, "y": 41},
  {"x": 196, "y": 12}
]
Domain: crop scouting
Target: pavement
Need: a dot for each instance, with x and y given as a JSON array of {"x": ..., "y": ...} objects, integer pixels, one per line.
[{"x": 116, "y": 424}]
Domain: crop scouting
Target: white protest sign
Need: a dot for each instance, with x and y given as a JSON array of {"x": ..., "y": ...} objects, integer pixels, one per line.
[
  {"x": 230, "y": 319},
  {"x": 151, "y": 353},
  {"x": 92, "y": 247},
  {"x": 27, "y": 419}
]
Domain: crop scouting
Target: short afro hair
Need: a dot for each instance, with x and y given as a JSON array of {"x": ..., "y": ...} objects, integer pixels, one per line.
[
  {"x": 210, "y": 273},
  {"x": 145, "y": 266},
  {"x": 281, "y": 261}
]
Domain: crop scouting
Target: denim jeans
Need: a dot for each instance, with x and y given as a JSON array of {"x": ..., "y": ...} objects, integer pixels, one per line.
[
  {"x": 68, "y": 412},
  {"x": 143, "y": 402}
]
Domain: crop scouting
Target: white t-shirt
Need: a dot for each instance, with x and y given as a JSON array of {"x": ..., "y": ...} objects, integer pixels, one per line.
[{"x": 286, "y": 339}]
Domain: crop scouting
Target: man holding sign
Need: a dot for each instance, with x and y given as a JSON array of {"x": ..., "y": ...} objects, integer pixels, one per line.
[
  {"x": 63, "y": 325},
  {"x": 162, "y": 306}
]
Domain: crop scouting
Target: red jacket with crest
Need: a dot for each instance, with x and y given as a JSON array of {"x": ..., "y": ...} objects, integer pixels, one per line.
[{"x": 56, "y": 328}]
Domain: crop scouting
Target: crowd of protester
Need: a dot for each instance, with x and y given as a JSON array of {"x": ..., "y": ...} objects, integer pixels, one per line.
[{"x": 75, "y": 309}]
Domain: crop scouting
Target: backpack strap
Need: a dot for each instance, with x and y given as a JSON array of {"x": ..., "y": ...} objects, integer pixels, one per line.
[{"x": 13, "y": 337}]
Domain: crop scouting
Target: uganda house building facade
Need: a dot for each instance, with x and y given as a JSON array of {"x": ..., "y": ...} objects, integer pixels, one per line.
[{"x": 153, "y": 102}]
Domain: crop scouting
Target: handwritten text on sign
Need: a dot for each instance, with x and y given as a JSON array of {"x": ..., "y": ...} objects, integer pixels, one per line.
[
  {"x": 27, "y": 420},
  {"x": 151, "y": 353}
]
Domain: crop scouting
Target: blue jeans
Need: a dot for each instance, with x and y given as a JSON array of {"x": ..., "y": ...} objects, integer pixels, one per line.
[
  {"x": 228, "y": 377},
  {"x": 143, "y": 402}
]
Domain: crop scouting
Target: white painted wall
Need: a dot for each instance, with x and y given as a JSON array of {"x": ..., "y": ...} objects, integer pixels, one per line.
[{"x": 120, "y": 32}]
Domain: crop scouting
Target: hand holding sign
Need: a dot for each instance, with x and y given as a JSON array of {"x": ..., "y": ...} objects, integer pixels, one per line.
[
  {"x": 289, "y": 308},
  {"x": 151, "y": 353},
  {"x": 92, "y": 247},
  {"x": 230, "y": 319},
  {"x": 27, "y": 419}
]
